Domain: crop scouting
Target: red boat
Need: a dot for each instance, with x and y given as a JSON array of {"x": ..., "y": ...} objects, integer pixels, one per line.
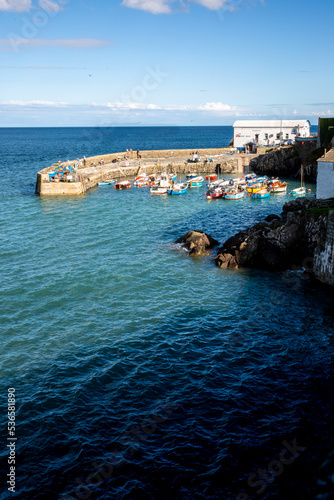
[
  {"x": 215, "y": 193},
  {"x": 123, "y": 185},
  {"x": 211, "y": 177}
]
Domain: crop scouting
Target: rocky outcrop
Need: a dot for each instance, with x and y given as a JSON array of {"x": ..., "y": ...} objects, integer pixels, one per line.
[
  {"x": 281, "y": 244},
  {"x": 287, "y": 161},
  {"x": 197, "y": 242}
]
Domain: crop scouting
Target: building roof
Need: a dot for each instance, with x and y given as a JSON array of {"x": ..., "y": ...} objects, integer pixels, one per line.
[
  {"x": 329, "y": 156},
  {"x": 270, "y": 123}
]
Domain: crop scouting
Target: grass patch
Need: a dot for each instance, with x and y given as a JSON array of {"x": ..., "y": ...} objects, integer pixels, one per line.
[{"x": 317, "y": 211}]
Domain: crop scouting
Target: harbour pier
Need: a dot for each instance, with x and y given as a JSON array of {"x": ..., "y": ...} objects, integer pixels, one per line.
[{"x": 88, "y": 172}]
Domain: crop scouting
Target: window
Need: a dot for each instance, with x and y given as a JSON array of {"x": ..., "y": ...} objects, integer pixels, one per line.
[
  {"x": 287, "y": 136},
  {"x": 266, "y": 137},
  {"x": 278, "y": 136}
]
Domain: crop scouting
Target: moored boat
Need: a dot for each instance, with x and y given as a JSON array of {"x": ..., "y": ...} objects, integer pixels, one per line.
[
  {"x": 301, "y": 191},
  {"x": 298, "y": 191},
  {"x": 280, "y": 188},
  {"x": 191, "y": 176},
  {"x": 178, "y": 189},
  {"x": 256, "y": 187},
  {"x": 234, "y": 194},
  {"x": 123, "y": 184},
  {"x": 107, "y": 183},
  {"x": 215, "y": 193},
  {"x": 264, "y": 193},
  {"x": 158, "y": 190},
  {"x": 196, "y": 181},
  {"x": 211, "y": 177}
]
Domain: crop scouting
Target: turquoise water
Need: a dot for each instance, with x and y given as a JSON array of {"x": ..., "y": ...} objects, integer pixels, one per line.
[{"x": 126, "y": 353}]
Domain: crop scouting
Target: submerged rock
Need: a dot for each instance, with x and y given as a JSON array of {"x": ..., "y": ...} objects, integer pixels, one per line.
[{"x": 197, "y": 242}]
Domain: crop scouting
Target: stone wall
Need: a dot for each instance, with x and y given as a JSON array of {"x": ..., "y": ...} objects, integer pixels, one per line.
[
  {"x": 88, "y": 177},
  {"x": 324, "y": 257}
]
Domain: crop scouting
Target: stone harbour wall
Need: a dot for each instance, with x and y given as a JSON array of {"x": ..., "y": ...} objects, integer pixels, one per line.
[{"x": 87, "y": 177}]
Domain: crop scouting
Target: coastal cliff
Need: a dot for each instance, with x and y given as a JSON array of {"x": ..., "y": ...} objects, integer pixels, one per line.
[
  {"x": 287, "y": 161},
  {"x": 302, "y": 237}
]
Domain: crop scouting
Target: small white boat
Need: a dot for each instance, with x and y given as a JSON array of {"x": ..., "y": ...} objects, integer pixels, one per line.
[
  {"x": 106, "y": 183},
  {"x": 298, "y": 191},
  {"x": 158, "y": 190},
  {"x": 302, "y": 190}
]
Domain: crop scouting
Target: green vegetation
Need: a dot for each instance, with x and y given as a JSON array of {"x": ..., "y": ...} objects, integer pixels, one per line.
[
  {"x": 326, "y": 131},
  {"x": 318, "y": 211}
]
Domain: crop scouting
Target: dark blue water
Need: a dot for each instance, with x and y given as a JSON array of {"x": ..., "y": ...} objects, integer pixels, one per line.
[{"x": 141, "y": 373}]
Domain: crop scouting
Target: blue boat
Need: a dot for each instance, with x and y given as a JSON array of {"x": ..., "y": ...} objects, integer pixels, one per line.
[
  {"x": 191, "y": 176},
  {"x": 263, "y": 193},
  {"x": 196, "y": 181},
  {"x": 178, "y": 189}
]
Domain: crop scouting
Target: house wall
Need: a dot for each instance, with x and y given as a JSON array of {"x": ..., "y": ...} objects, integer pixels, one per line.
[
  {"x": 248, "y": 134},
  {"x": 325, "y": 180}
]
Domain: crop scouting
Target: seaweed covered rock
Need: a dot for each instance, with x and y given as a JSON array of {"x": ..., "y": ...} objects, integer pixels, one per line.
[{"x": 197, "y": 242}]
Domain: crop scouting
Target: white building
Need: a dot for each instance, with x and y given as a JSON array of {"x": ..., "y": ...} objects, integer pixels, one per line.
[
  {"x": 269, "y": 132},
  {"x": 325, "y": 176}
]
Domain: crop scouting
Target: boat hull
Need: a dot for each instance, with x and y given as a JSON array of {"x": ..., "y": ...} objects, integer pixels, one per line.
[{"x": 234, "y": 196}]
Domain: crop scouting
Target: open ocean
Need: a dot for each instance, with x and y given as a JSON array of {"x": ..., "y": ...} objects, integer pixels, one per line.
[{"x": 139, "y": 372}]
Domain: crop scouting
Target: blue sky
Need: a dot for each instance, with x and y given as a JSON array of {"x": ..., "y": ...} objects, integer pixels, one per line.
[{"x": 164, "y": 62}]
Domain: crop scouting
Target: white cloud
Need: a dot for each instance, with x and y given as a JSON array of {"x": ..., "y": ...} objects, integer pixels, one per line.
[
  {"x": 15, "y": 5},
  {"x": 13, "y": 44},
  {"x": 216, "y": 106},
  {"x": 50, "y": 6},
  {"x": 34, "y": 103},
  {"x": 329, "y": 112},
  {"x": 153, "y": 6},
  {"x": 164, "y": 6},
  {"x": 209, "y": 106}
]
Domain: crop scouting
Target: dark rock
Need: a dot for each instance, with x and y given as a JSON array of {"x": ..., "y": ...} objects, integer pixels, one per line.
[
  {"x": 197, "y": 242},
  {"x": 278, "y": 245},
  {"x": 272, "y": 217}
]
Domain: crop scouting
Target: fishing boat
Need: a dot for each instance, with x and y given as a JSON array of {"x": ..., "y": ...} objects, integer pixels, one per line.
[
  {"x": 107, "y": 183},
  {"x": 123, "y": 185},
  {"x": 141, "y": 180},
  {"x": 234, "y": 194},
  {"x": 239, "y": 180},
  {"x": 196, "y": 181},
  {"x": 165, "y": 180},
  {"x": 280, "y": 188},
  {"x": 264, "y": 193},
  {"x": 257, "y": 180},
  {"x": 301, "y": 191},
  {"x": 158, "y": 190},
  {"x": 178, "y": 189},
  {"x": 211, "y": 177},
  {"x": 172, "y": 176},
  {"x": 191, "y": 176},
  {"x": 250, "y": 177},
  {"x": 256, "y": 187},
  {"x": 215, "y": 193}
]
